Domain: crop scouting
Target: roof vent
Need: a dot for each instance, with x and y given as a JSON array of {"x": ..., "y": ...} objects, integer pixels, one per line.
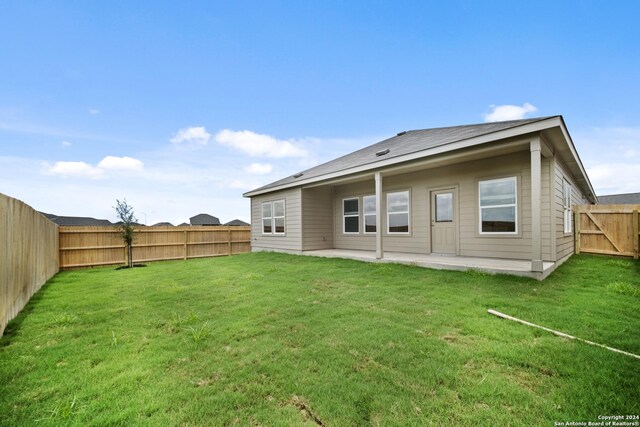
[
  {"x": 382, "y": 152},
  {"x": 298, "y": 175},
  {"x": 401, "y": 133}
]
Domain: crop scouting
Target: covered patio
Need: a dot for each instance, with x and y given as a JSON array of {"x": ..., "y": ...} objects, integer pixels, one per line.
[
  {"x": 495, "y": 199},
  {"x": 444, "y": 262}
]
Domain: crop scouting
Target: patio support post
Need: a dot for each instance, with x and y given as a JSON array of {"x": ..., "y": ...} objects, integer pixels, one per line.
[
  {"x": 536, "y": 197},
  {"x": 379, "y": 250}
]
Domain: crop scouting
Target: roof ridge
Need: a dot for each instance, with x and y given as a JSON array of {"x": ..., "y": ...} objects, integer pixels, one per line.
[{"x": 532, "y": 119}]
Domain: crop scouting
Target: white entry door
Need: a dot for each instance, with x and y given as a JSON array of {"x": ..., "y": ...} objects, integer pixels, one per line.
[{"x": 444, "y": 229}]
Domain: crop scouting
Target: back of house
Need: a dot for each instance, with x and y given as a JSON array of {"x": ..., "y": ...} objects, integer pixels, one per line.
[{"x": 496, "y": 190}]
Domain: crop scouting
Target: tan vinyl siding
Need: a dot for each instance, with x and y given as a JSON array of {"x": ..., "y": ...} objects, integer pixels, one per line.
[
  {"x": 565, "y": 243},
  {"x": 317, "y": 218},
  {"x": 361, "y": 241},
  {"x": 464, "y": 177},
  {"x": 292, "y": 239}
]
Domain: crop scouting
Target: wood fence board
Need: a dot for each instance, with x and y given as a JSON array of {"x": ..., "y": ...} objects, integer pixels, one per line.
[
  {"x": 636, "y": 234},
  {"x": 28, "y": 255},
  {"x": 94, "y": 246}
]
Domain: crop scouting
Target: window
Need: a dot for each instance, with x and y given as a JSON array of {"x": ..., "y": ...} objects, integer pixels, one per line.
[
  {"x": 566, "y": 193},
  {"x": 351, "y": 215},
  {"x": 369, "y": 209},
  {"x": 398, "y": 212},
  {"x": 266, "y": 218},
  {"x": 444, "y": 207},
  {"x": 278, "y": 217},
  {"x": 498, "y": 206},
  {"x": 273, "y": 217}
]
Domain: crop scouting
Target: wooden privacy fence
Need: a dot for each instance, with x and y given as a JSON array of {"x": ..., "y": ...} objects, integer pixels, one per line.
[
  {"x": 28, "y": 255},
  {"x": 94, "y": 246},
  {"x": 607, "y": 229}
]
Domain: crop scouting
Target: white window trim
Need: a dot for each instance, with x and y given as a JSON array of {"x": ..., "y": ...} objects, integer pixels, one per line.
[
  {"x": 566, "y": 205},
  {"x": 408, "y": 212},
  {"x": 284, "y": 217},
  {"x": 344, "y": 216},
  {"x": 514, "y": 205},
  {"x": 365, "y": 215},
  {"x": 273, "y": 218}
]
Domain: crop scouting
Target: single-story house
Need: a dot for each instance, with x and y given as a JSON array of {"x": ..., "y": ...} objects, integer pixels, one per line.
[
  {"x": 620, "y": 199},
  {"x": 493, "y": 196},
  {"x": 163, "y": 224},
  {"x": 236, "y": 223},
  {"x": 204, "y": 219}
]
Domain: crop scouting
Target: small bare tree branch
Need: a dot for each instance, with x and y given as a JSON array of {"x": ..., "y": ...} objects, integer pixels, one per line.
[{"x": 126, "y": 225}]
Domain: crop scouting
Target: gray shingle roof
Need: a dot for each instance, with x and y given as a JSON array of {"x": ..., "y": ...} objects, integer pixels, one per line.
[
  {"x": 404, "y": 143},
  {"x": 620, "y": 199},
  {"x": 133, "y": 224},
  {"x": 77, "y": 220},
  {"x": 236, "y": 223},
  {"x": 204, "y": 219}
]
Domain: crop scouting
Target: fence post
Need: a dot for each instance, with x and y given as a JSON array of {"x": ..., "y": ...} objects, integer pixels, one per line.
[
  {"x": 229, "y": 237},
  {"x": 636, "y": 238},
  {"x": 577, "y": 228},
  {"x": 185, "y": 244}
]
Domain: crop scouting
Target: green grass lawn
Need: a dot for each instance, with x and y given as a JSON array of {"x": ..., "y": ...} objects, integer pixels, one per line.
[{"x": 273, "y": 339}]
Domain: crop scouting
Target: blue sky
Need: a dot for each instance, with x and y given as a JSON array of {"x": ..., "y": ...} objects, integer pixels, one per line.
[{"x": 180, "y": 107}]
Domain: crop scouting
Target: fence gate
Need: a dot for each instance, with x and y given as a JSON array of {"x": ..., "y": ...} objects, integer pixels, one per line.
[{"x": 607, "y": 229}]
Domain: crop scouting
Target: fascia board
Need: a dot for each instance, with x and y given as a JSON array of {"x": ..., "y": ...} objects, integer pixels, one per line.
[{"x": 574, "y": 153}]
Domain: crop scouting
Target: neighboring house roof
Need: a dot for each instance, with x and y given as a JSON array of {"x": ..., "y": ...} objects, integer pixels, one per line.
[
  {"x": 236, "y": 223},
  {"x": 77, "y": 220},
  {"x": 417, "y": 144},
  {"x": 620, "y": 199},
  {"x": 134, "y": 224},
  {"x": 183, "y": 224},
  {"x": 204, "y": 219},
  {"x": 162, "y": 224}
]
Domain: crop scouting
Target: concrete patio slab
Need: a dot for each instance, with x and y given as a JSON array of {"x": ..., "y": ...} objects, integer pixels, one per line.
[{"x": 444, "y": 262}]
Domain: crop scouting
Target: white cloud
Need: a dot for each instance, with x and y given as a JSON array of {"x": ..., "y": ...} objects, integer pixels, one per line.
[
  {"x": 258, "y": 168},
  {"x": 173, "y": 184},
  {"x": 240, "y": 184},
  {"x": 121, "y": 164},
  {"x": 74, "y": 169},
  {"x": 499, "y": 113},
  {"x": 66, "y": 144},
  {"x": 85, "y": 170},
  {"x": 197, "y": 135},
  {"x": 255, "y": 144},
  {"x": 94, "y": 111},
  {"x": 615, "y": 178},
  {"x": 610, "y": 156}
]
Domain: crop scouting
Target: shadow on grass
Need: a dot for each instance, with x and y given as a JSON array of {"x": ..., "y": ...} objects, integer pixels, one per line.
[
  {"x": 124, "y": 267},
  {"x": 14, "y": 326}
]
